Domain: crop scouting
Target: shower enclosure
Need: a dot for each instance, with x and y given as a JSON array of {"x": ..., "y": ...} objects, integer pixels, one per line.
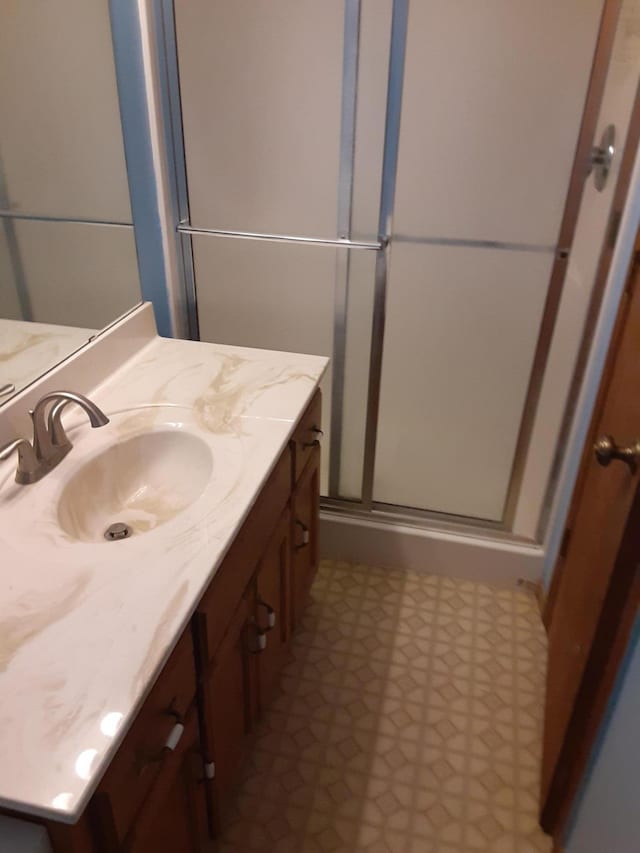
[{"x": 385, "y": 183}]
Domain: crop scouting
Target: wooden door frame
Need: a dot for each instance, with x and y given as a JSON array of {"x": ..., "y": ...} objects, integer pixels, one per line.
[
  {"x": 620, "y": 605},
  {"x": 622, "y": 598},
  {"x": 615, "y": 626}
]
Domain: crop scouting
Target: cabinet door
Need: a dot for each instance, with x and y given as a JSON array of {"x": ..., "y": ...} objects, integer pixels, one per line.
[
  {"x": 272, "y": 607},
  {"x": 173, "y": 828},
  {"x": 177, "y": 818},
  {"x": 304, "y": 533},
  {"x": 142, "y": 762},
  {"x": 230, "y": 700}
]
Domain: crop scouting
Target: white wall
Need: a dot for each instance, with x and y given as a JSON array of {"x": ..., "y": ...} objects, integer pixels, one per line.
[{"x": 607, "y": 817}]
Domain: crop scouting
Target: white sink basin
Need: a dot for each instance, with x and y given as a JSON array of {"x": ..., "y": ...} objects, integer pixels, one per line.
[{"x": 141, "y": 482}]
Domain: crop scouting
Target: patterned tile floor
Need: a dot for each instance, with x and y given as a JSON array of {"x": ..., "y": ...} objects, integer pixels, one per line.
[{"x": 408, "y": 721}]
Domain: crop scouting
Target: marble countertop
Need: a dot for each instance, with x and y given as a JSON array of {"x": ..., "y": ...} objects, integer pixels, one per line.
[
  {"x": 85, "y": 627},
  {"x": 27, "y": 350}
]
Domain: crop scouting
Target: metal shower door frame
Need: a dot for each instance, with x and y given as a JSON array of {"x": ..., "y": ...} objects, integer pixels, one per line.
[{"x": 366, "y": 506}]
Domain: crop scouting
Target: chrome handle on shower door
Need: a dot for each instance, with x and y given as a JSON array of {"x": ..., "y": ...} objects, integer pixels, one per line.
[{"x": 602, "y": 156}]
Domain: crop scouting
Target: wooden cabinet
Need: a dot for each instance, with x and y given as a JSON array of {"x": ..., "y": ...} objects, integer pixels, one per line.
[
  {"x": 306, "y": 437},
  {"x": 246, "y": 666},
  {"x": 241, "y": 563},
  {"x": 304, "y": 535},
  {"x": 176, "y": 816},
  {"x": 273, "y": 582},
  {"x": 151, "y": 749},
  {"x": 174, "y": 826},
  {"x": 167, "y": 786},
  {"x": 228, "y": 701}
]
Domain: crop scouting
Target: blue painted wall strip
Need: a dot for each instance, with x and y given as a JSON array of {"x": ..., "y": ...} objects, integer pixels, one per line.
[{"x": 136, "y": 132}]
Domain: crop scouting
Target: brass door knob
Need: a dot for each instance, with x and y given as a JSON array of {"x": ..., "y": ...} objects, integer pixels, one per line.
[{"x": 607, "y": 450}]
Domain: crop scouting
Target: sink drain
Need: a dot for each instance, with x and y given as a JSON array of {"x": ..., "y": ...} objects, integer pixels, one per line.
[{"x": 118, "y": 530}]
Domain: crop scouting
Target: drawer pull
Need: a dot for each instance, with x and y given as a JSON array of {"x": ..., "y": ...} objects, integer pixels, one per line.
[
  {"x": 174, "y": 737},
  {"x": 316, "y": 441},
  {"x": 305, "y": 534},
  {"x": 271, "y": 614}
]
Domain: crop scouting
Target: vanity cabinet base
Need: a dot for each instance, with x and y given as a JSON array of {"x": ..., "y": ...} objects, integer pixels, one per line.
[{"x": 169, "y": 783}]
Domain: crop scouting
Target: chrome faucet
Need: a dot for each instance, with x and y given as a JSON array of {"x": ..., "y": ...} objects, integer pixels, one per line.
[{"x": 50, "y": 441}]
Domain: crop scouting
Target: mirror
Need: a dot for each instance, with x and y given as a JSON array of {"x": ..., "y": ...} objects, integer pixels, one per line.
[{"x": 68, "y": 262}]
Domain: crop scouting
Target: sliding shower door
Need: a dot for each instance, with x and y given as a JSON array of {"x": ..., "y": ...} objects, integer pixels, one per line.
[
  {"x": 383, "y": 183},
  {"x": 262, "y": 90},
  {"x": 492, "y": 100}
]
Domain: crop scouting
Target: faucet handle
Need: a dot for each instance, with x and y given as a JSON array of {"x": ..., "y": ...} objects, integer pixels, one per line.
[{"x": 29, "y": 467}]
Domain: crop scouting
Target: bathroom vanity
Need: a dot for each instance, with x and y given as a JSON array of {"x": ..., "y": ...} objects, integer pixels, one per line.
[{"x": 133, "y": 672}]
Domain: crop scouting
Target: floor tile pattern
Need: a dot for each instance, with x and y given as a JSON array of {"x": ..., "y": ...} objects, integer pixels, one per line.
[{"x": 408, "y": 721}]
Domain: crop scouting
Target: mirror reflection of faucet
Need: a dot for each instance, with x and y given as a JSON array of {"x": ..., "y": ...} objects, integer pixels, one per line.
[{"x": 50, "y": 441}]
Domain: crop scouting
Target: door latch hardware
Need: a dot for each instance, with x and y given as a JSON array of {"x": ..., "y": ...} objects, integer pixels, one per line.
[{"x": 607, "y": 450}]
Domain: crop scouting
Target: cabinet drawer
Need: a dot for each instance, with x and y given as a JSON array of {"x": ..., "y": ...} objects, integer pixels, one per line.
[
  {"x": 306, "y": 436},
  {"x": 239, "y": 565},
  {"x": 143, "y": 755}
]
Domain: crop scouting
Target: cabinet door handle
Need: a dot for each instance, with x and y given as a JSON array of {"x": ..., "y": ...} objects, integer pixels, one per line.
[
  {"x": 305, "y": 534},
  {"x": 259, "y": 643},
  {"x": 173, "y": 738},
  {"x": 171, "y": 742},
  {"x": 271, "y": 614},
  {"x": 316, "y": 441}
]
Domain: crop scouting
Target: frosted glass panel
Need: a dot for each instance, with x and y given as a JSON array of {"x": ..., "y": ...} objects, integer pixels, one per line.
[
  {"x": 61, "y": 149},
  {"x": 270, "y": 296},
  {"x": 492, "y": 103},
  {"x": 9, "y": 300},
  {"x": 261, "y": 98},
  {"x": 74, "y": 275},
  {"x": 462, "y": 326}
]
